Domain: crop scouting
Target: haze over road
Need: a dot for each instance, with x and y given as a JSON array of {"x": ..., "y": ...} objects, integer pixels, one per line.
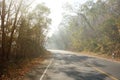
[
  {"x": 69, "y": 66},
  {"x": 64, "y": 65}
]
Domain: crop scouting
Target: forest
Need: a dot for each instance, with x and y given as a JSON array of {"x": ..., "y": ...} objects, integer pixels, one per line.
[
  {"x": 22, "y": 31},
  {"x": 93, "y": 26}
]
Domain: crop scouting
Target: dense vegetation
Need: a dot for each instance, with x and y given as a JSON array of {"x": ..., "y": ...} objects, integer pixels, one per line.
[
  {"x": 22, "y": 30},
  {"x": 93, "y": 26}
]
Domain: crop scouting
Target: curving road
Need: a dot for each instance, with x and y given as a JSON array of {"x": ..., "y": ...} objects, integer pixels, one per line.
[{"x": 70, "y": 66}]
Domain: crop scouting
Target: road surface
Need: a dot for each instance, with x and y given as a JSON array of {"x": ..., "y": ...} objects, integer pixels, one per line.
[{"x": 69, "y": 66}]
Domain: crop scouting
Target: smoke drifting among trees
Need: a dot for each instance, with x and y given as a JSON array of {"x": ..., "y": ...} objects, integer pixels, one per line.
[
  {"x": 22, "y": 28},
  {"x": 95, "y": 27}
]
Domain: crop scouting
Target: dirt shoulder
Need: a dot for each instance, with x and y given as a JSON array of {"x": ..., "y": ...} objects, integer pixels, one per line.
[
  {"x": 19, "y": 71},
  {"x": 100, "y": 55}
]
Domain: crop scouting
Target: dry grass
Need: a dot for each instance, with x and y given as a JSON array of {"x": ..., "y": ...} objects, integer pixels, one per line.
[
  {"x": 100, "y": 55},
  {"x": 18, "y": 71}
]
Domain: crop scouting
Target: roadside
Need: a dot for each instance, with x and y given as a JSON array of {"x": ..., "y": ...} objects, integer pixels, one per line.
[
  {"x": 91, "y": 54},
  {"x": 69, "y": 65},
  {"x": 100, "y": 55},
  {"x": 20, "y": 71}
]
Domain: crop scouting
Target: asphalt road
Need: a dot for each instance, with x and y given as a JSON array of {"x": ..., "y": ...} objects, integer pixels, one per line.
[
  {"x": 65, "y": 65},
  {"x": 69, "y": 66}
]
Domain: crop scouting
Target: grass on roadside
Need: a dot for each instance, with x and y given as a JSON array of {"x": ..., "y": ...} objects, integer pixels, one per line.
[
  {"x": 16, "y": 71},
  {"x": 100, "y": 55}
]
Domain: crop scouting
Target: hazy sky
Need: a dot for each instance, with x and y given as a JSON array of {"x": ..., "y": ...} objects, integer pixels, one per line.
[{"x": 56, "y": 7}]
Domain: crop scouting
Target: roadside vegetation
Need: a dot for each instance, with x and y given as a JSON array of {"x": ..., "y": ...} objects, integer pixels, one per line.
[
  {"x": 93, "y": 27},
  {"x": 23, "y": 33}
]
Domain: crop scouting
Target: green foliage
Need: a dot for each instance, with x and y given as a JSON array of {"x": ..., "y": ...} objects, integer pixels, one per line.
[
  {"x": 95, "y": 27},
  {"x": 23, "y": 31},
  {"x": 31, "y": 39}
]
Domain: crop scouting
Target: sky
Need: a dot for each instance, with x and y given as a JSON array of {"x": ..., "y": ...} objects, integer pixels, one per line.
[{"x": 56, "y": 8}]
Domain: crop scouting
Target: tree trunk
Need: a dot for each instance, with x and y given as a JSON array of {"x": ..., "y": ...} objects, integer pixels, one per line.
[
  {"x": 13, "y": 29},
  {"x": 3, "y": 29}
]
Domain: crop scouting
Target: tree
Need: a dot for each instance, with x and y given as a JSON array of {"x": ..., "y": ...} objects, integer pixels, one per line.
[
  {"x": 31, "y": 32},
  {"x": 94, "y": 26},
  {"x": 17, "y": 22}
]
